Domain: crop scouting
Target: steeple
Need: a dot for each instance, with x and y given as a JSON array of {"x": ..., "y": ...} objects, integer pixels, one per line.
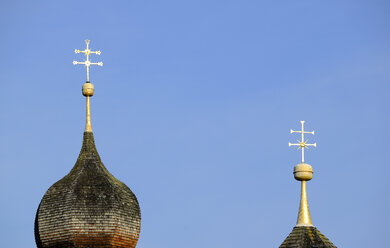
[
  {"x": 88, "y": 207},
  {"x": 304, "y": 234}
]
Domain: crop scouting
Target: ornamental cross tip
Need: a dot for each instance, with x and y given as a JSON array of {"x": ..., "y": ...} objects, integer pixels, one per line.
[
  {"x": 87, "y": 62},
  {"x": 302, "y": 144}
]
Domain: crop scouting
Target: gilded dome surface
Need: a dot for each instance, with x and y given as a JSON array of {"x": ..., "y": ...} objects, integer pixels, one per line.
[{"x": 88, "y": 207}]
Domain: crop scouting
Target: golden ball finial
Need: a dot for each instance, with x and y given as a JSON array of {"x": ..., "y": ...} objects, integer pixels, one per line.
[
  {"x": 303, "y": 172},
  {"x": 88, "y": 89}
]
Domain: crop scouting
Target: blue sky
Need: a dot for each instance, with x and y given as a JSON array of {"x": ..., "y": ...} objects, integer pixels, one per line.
[{"x": 192, "y": 110}]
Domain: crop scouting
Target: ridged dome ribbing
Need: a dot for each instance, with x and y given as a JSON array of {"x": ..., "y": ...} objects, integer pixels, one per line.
[{"x": 88, "y": 207}]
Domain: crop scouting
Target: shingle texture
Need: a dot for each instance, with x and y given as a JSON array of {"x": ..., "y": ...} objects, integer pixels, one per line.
[
  {"x": 88, "y": 207},
  {"x": 306, "y": 237}
]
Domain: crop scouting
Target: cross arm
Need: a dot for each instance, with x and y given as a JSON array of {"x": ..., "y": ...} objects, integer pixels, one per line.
[
  {"x": 98, "y": 63},
  {"x": 293, "y": 131},
  {"x": 76, "y": 62},
  {"x": 96, "y": 52}
]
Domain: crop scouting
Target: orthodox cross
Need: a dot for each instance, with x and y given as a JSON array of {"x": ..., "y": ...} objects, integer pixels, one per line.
[
  {"x": 302, "y": 144},
  {"x": 87, "y": 62}
]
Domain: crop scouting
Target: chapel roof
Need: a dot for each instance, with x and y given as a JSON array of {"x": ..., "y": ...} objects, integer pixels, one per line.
[{"x": 89, "y": 207}]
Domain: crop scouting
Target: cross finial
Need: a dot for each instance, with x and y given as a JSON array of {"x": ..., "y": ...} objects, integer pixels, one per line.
[
  {"x": 302, "y": 144},
  {"x": 87, "y": 62}
]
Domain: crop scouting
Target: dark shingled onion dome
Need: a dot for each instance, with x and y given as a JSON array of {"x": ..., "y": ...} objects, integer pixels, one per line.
[{"x": 89, "y": 207}]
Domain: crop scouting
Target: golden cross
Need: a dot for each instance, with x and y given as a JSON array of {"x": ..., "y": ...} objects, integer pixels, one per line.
[
  {"x": 87, "y": 62},
  {"x": 302, "y": 144}
]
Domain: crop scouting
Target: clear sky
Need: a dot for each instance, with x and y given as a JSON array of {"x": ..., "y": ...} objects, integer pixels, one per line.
[{"x": 192, "y": 110}]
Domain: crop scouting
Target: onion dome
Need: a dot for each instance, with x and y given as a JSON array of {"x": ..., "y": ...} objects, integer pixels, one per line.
[
  {"x": 88, "y": 207},
  {"x": 304, "y": 234}
]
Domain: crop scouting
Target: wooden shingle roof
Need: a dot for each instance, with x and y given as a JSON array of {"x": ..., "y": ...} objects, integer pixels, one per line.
[{"x": 88, "y": 207}]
